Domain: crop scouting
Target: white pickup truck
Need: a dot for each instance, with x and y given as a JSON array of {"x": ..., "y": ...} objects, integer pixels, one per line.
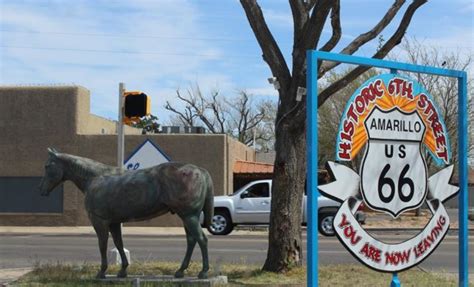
[{"x": 250, "y": 205}]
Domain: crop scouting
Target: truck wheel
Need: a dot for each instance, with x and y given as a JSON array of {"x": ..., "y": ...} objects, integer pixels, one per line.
[
  {"x": 221, "y": 223},
  {"x": 325, "y": 224}
]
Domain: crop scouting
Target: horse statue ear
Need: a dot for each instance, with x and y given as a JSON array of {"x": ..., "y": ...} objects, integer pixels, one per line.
[{"x": 52, "y": 151}]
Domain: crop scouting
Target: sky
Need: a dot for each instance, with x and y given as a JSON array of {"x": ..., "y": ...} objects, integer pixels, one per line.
[{"x": 159, "y": 46}]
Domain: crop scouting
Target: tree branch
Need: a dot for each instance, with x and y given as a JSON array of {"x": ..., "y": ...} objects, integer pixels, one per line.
[
  {"x": 271, "y": 52},
  {"x": 184, "y": 118},
  {"x": 382, "y": 52},
  {"x": 314, "y": 26},
  {"x": 300, "y": 17},
  {"x": 336, "y": 27},
  {"x": 218, "y": 112},
  {"x": 255, "y": 121},
  {"x": 188, "y": 116},
  {"x": 243, "y": 111},
  {"x": 310, "y": 4},
  {"x": 365, "y": 37},
  {"x": 310, "y": 37}
]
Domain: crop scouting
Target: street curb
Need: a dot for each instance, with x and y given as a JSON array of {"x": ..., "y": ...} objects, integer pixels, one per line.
[{"x": 168, "y": 235}]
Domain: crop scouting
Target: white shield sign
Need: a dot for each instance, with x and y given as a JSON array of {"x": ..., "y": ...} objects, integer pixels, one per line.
[
  {"x": 146, "y": 155},
  {"x": 397, "y": 122},
  {"x": 393, "y": 171}
]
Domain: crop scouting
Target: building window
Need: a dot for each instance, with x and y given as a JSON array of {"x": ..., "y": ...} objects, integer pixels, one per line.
[{"x": 21, "y": 194}]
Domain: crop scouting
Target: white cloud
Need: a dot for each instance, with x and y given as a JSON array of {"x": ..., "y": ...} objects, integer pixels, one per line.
[
  {"x": 467, "y": 6},
  {"x": 81, "y": 43},
  {"x": 169, "y": 44},
  {"x": 263, "y": 91},
  {"x": 278, "y": 18}
]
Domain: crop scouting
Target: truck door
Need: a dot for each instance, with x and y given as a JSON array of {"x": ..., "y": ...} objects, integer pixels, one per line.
[{"x": 253, "y": 205}]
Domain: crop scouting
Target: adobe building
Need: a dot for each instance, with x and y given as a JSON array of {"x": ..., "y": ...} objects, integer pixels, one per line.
[{"x": 35, "y": 118}]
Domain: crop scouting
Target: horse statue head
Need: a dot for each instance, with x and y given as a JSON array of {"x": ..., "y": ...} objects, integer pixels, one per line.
[{"x": 53, "y": 175}]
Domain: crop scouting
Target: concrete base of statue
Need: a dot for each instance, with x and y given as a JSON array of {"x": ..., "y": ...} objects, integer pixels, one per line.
[{"x": 168, "y": 280}]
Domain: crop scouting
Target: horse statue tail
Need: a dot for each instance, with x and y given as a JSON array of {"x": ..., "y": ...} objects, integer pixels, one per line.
[{"x": 209, "y": 202}]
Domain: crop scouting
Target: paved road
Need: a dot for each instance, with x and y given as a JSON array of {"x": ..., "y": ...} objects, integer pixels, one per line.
[{"x": 26, "y": 250}]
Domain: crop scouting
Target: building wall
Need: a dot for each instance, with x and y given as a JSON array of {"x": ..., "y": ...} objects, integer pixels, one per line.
[
  {"x": 27, "y": 128},
  {"x": 236, "y": 151},
  {"x": 35, "y": 118}
]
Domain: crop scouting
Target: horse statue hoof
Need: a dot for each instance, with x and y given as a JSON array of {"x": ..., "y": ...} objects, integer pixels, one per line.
[
  {"x": 122, "y": 274},
  {"x": 202, "y": 275},
  {"x": 100, "y": 275},
  {"x": 179, "y": 274}
]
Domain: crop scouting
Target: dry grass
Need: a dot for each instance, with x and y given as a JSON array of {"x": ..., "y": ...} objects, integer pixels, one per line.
[
  {"x": 238, "y": 275},
  {"x": 357, "y": 275},
  {"x": 407, "y": 219}
]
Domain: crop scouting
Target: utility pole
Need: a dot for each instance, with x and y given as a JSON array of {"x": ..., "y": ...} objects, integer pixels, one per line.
[
  {"x": 120, "y": 147},
  {"x": 254, "y": 144},
  {"x": 254, "y": 131},
  {"x": 120, "y": 131}
]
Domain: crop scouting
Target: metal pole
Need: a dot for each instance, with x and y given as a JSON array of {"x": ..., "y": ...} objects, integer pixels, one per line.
[
  {"x": 395, "y": 281},
  {"x": 312, "y": 168},
  {"x": 254, "y": 137},
  {"x": 463, "y": 191},
  {"x": 120, "y": 134}
]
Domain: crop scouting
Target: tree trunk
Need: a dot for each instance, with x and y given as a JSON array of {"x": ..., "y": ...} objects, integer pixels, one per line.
[
  {"x": 309, "y": 17},
  {"x": 286, "y": 250}
]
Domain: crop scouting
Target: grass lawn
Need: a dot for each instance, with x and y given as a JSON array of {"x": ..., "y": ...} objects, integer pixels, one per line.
[{"x": 238, "y": 275}]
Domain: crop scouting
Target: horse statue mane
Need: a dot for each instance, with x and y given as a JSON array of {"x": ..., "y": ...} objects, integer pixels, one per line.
[{"x": 114, "y": 196}]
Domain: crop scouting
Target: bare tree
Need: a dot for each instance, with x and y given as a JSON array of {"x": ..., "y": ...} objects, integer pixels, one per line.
[
  {"x": 200, "y": 109},
  {"x": 236, "y": 116},
  {"x": 265, "y": 131},
  {"x": 309, "y": 16},
  {"x": 330, "y": 114},
  {"x": 443, "y": 89}
]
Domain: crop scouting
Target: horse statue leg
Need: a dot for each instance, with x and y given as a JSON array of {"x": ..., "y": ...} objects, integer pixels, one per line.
[
  {"x": 102, "y": 231},
  {"x": 191, "y": 242},
  {"x": 194, "y": 234},
  {"x": 116, "y": 231}
]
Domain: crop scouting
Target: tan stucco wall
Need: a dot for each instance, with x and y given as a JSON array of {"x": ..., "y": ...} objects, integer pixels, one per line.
[
  {"x": 96, "y": 125},
  {"x": 31, "y": 119},
  {"x": 34, "y": 118},
  {"x": 203, "y": 150},
  {"x": 236, "y": 151}
]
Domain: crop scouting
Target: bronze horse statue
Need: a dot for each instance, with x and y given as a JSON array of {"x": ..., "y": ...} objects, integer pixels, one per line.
[{"x": 113, "y": 196}]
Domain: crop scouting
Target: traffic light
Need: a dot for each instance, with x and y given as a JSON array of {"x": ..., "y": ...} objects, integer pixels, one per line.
[{"x": 137, "y": 104}]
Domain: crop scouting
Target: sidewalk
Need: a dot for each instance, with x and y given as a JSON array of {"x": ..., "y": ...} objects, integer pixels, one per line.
[
  {"x": 374, "y": 221},
  {"x": 12, "y": 274},
  {"x": 88, "y": 230},
  {"x": 126, "y": 231}
]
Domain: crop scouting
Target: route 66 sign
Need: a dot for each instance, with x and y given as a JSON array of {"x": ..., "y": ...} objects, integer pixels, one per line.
[
  {"x": 393, "y": 153},
  {"x": 398, "y": 123}
]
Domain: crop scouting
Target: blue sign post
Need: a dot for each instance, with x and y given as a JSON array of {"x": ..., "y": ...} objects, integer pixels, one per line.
[{"x": 312, "y": 151}]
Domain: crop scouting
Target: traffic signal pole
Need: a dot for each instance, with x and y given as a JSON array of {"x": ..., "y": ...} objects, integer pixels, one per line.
[
  {"x": 120, "y": 132},
  {"x": 120, "y": 151}
]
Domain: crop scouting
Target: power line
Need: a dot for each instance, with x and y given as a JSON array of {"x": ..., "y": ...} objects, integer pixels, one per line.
[
  {"x": 135, "y": 36},
  {"x": 126, "y": 52},
  {"x": 239, "y": 40}
]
